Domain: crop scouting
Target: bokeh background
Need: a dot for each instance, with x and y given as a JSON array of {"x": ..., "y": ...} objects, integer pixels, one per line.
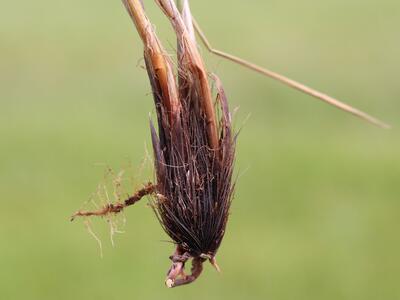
[{"x": 316, "y": 213}]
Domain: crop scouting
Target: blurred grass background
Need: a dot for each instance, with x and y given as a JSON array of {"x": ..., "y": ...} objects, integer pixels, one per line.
[{"x": 316, "y": 213}]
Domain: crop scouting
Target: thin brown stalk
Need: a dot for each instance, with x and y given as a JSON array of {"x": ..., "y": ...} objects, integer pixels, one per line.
[
  {"x": 290, "y": 82},
  {"x": 110, "y": 208}
]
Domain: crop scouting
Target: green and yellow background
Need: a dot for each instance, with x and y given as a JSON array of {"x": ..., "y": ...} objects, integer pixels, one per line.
[{"x": 316, "y": 212}]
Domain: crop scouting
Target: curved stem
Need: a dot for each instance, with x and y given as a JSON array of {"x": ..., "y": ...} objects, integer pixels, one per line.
[{"x": 290, "y": 82}]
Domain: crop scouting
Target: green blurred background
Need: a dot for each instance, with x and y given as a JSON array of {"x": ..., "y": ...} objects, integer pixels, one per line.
[{"x": 316, "y": 213}]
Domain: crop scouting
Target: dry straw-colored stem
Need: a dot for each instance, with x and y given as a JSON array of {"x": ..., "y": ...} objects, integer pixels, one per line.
[
  {"x": 290, "y": 82},
  {"x": 187, "y": 18},
  {"x": 152, "y": 47},
  {"x": 162, "y": 66},
  {"x": 194, "y": 63}
]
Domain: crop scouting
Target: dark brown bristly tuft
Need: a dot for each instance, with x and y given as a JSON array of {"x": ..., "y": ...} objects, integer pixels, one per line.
[
  {"x": 194, "y": 179},
  {"x": 194, "y": 147},
  {"x": 194, "y": 150}
]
